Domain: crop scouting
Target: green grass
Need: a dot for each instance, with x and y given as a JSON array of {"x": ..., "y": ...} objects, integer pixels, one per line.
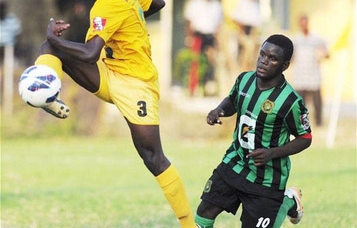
[
  {"x": 95, "y": 182},
  {"x": 68, "y": 181}
]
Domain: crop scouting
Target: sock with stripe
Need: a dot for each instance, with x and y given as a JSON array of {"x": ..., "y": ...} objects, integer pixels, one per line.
[{"x": 203, "y": 222}]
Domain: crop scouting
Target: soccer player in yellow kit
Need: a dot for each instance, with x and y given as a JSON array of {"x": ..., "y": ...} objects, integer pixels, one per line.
[{"x": 115, "y": 64}]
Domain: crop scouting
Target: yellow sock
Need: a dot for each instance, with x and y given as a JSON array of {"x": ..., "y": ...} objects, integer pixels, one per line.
[
  {"x": 172, "y": 186},
  {"x": 50, "y": 61}
]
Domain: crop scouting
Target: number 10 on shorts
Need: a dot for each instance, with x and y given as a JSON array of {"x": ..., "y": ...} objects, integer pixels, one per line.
[{"x": 263, "y": 222}]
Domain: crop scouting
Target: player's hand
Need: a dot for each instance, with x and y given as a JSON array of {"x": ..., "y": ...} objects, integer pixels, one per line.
[
  {"x": 260, "y": 156},
  {"x": 56, "y": 27},
  {"x": 213, "y": 116}
]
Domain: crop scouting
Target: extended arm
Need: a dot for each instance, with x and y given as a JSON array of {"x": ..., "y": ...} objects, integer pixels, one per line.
[
  {"x": 155, "y": 6},
  {"x": 224, "y": 109},
  {"x": 86, "y": 52}
]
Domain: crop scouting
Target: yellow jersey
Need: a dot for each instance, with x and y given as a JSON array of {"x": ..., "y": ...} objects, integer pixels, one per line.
[{"x": 121, "y": 24}]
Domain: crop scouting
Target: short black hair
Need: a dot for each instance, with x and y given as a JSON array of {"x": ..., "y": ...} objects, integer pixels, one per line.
[{"x": 284, "y": 42}]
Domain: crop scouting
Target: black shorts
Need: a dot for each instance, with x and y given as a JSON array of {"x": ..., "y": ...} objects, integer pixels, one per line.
[{"x": 226, "y": 189}]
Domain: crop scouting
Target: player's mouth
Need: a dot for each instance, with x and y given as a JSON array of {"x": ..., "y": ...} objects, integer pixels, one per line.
[{"x": 261, "y": 70}]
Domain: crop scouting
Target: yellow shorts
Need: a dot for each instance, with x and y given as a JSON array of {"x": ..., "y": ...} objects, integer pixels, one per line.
[{"x": 137, "y": 100}]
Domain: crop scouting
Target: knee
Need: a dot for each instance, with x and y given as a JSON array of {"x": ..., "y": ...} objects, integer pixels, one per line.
[
  {"x": 204, "y": 211},
  {"x": 46, "y": 48},
  {"x": 156, "y": 162},
  {"x": 208, "y": 210}
]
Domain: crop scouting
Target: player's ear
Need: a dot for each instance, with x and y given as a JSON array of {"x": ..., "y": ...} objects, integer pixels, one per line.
[{"x": 286, "y": 65}]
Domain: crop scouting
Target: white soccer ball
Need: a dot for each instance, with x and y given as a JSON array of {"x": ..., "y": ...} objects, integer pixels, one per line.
[{"x": 39, "y": 85}]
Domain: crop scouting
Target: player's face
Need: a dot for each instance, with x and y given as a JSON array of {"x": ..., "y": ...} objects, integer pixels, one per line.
[{"x": 270, "y": 61}]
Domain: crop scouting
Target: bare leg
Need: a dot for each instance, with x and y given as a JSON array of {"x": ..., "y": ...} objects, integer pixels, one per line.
[
  {"x": 206, "y": 214},
  {"x": 208, "y": 210},
  {"x": 84, "y": 74},
  {"x": 147, "y": 141}
]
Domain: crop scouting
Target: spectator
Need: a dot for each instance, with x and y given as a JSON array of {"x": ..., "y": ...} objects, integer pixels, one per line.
[
  {"x": 182, "y": 64},
  {"x": 310, "y": 50},
  {"x": 248, "y": 17},
  {"x": 10, "y": 26},
  {"x": 203, "y": 20}
]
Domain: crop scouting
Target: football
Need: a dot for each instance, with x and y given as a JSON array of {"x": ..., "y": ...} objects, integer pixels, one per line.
[{"x": 39, "y": 85}]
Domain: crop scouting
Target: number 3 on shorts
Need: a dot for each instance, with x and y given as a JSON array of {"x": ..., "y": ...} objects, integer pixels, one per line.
[{"x": 142, "y": 109}]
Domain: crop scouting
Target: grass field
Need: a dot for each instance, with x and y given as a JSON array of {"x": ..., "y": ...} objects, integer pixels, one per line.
[
  {"x": 81, "y": 182},
  {"x": 89, "y": 182}
]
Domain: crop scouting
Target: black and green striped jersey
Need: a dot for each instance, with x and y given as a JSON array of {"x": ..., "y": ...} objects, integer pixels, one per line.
[{"x": 265, "y": 119}]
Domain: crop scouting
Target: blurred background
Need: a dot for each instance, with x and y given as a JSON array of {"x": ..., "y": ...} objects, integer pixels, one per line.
[
  {"x": 241, "y": 26},
  {"x": 52, "y": 177}
]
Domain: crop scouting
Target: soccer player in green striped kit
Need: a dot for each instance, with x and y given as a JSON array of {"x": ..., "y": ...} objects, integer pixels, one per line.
[{"x": 255, "y": 168}]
